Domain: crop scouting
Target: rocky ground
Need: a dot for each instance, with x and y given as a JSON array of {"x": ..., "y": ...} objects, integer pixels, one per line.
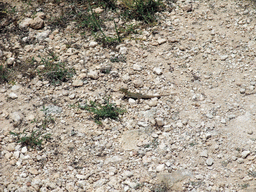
[{"x": 199, "y": 138}]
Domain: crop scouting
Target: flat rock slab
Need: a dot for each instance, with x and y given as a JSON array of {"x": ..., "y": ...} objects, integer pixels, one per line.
[
  {"x": 130, "y": 139},
  {"x": 174, "y": 180}
]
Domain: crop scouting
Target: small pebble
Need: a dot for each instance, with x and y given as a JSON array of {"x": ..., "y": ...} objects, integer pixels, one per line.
[
  {"x": 137, "y": 67},
  {"x": 204, "y": 153},
  {"x": 242, "y": 91},
  {"x": 77, "y": 83},
  {"x": 13, "y": 95},
  {"x": 93, "y": 75},
  {"x": 209, "y": 161},
  {"x": 245, "y": 154},
  {"x": 158, "y": 71},
  {"x": 160, "y": 168}
]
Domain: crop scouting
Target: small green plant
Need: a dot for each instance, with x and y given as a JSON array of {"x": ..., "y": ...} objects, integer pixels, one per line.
[
  {"x": 47, "y": 118},
  {"x": 225, "y": 163},
  {"x": 96, "y": 24},
  {"x": 103, "y": 111},
  {"x": 143, "y": 10},
  {"x": 155, "y": 143},
  {"x": 33, "y": 139},
  {"x": 162, "y": 187},
  {"x": 110, "y": 4},
  {"x": 119, "y": 58},
  {"x": 54, "y": 71},
  {"x": 192, "y": 144},
  {"x": 252, "y": 173},
  {"x": 244, "y": 186},
  {"x": 3, "y": 74}
]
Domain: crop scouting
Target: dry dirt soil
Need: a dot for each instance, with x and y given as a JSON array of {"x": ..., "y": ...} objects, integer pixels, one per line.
[{"x": 201, "y": 137}]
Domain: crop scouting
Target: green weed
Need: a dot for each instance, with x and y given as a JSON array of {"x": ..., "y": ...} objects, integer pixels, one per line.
[
  {"x": 143, "y": 10},
  {"x": 119, "y": 58},
  {"x": 162, "y": 187},
  {"x": 33, "y": 139},
  {"x": 244, "y": 186},
  {"x": 3, "y": 74},
  {"x": 107, "y": 4},
  {"x": 103, "y": 111},
  {"x": 192, "y": 144},
  {"x": 47, "y": 118},
  {"x": 54, "y": 71},
  {"x": 252, "y": 173}
]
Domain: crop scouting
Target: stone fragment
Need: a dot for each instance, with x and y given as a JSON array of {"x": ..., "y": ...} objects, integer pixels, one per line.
[
  {"x": 199, "y": 177},
  {"x": 171, "y": 179},
  {"x": 83, "y": 177},
  {"x": 131, "y": 184},
  {"x": 16, "y": 118},
  {"x": 23, "y": 175},
  {"x": 223, "y": 121},
  {"x": 173, "y": 40},
  {"x": 30, "y": 117},
  {"x": 12, "y": 162},
  {"x": 204, "y": 153},
  {"x": 234, "y": 158},
  {"x": 161, "y": 41},
  {"x": 113, "y": 159},
  {"x": 42, "y": 35},
  {"x": 98, "y": 10},
  {"x": 123, "y": 50},
  {"x": 72, "y": 96},
  {"x": 240, "y": 160},
  {"x": 131, "y": 101},
  {"x": 137, "y": 67},
  {"x": 41, "y": 15},
  {"x": 152, "y": 103},
  {"x": 24, "y": 157},
  {"x": 245, "y": 154},
  {"x": 160, "y": 122},
  {"x": 70, "y": 186},
  {"x": 209, "y": 161},
  {"x": 160, "y": 168},
  {"x": 158, "y": 71},
  {"x": 15, "y": 87},
  {"x": 126, "y": 78},
  {"x": 10, "y": 147},
  {"x": 52, "y": 109},
  {"x": 77, "y": 83},
  {"x": 13, "y": 95},
  {"x": 127, "y": 174},
  {"x": 24, "y": 149},
  {"x": 16, "y": 154},
  {"x": 179, "y": 124},
  {"x": 99, "y": 183},
  {"x": 8, "y": 155},
  {"x": 10, "y": 61},
  {"x": 242, "y": 90},
  {"x": 25, "y": 23},
  {"x": 37, "y": 23},
  {"x": 33, "y": 171},
  {"x": 187, "y": 7},
  {"x": 93, "y": 44},
  {"x": 138, "y": 83},
  {"x": 130, "y": 139},
  {"x": 223, "y": 57},
  {"x": 93, "y": 75}
]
